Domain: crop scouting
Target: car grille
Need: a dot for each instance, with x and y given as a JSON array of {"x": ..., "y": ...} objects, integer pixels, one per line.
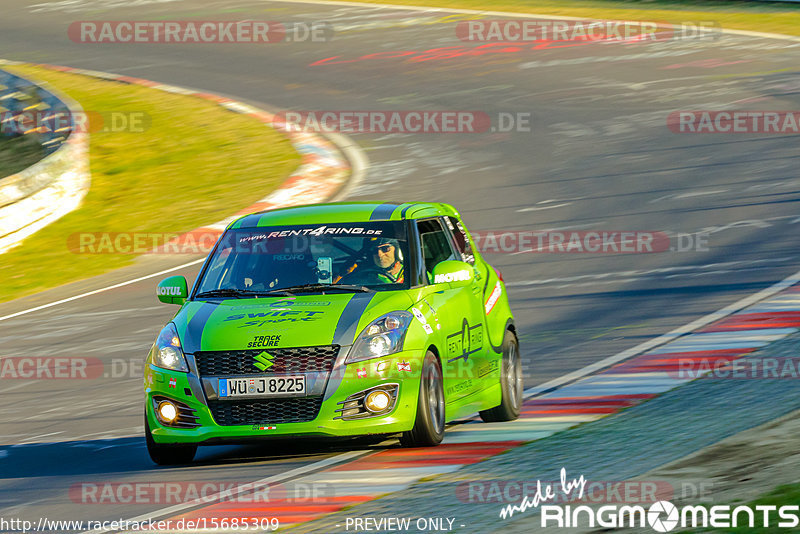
[
  {"x": 242, "y": 362},
  {"x": 265, "y": 411}
]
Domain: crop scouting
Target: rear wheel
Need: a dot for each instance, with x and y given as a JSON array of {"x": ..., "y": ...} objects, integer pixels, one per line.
[
  {"x": 510, "y": 384},
  {"x": 429, "y": 424},
  {"x": 168, "y": 453}
]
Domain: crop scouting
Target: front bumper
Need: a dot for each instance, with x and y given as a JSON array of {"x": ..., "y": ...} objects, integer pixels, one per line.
[{"x": 327, "y": 390}]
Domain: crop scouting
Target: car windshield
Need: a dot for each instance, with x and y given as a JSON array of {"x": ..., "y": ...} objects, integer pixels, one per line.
[{"x": 283, "y": 260}]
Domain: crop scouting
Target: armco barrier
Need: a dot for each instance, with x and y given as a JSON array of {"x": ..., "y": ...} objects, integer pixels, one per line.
[{"x": 54, "y": 186}]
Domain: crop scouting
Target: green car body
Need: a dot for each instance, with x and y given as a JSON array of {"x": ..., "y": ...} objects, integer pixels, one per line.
[{"x": 218, "y": 349}]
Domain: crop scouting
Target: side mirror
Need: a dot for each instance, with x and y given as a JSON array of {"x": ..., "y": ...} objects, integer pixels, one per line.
[
  {"x": 456, "y": 273},
  {"x": 172, "y": 290}
]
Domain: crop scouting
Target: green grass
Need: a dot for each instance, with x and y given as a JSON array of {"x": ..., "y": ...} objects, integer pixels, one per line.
[
  {"x": 18, "y": 153},
  {"x": 788, "y": 494},
  {"x": 753, "y": 16},
  {"x": 196, "y": 163}
]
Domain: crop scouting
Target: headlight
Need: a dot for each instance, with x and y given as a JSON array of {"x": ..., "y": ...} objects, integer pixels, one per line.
[
  {"x": 382, "y": 337},
  {"x": 166, "y": 352}
]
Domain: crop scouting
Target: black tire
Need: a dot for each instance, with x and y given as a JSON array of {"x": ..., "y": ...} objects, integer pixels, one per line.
[
  {"x": 168, "y": 454},
  {"x": 429, "y": 422},
  {"x": 510, "y": 384}
]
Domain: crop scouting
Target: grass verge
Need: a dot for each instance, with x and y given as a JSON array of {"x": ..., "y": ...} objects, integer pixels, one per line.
[
  {"x": 195, "y": 163},
  {"x": 755, "y": 16}
]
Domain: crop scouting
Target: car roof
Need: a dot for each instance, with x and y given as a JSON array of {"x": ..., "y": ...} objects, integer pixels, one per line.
[{"x": 344, "y": 212}]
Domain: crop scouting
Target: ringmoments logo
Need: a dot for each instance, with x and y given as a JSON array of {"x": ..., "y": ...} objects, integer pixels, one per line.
[{"x": 661, "y": 516}]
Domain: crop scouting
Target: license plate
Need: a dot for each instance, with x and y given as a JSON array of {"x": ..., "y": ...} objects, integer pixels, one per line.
[{"x": 271, "y": 386}]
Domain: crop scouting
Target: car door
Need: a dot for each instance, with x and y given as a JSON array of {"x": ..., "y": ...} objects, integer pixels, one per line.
[{"x": 458, "y": 313}]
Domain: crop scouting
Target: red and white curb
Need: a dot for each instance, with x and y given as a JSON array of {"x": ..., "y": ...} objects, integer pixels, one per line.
[
  {"x": 589, "y": 398},
  {"x": 330, "y": 165}
]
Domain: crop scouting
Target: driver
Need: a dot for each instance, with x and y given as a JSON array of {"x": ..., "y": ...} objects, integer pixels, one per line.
[
  {"x": 386, "y": 265},
  {"x": 387, "y": 258}
]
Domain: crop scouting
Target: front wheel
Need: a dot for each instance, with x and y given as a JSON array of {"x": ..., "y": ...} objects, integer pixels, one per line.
[
  {"x": 168, "y": 454},
  {"x": 429, "y": 424},
  {"x": 510, "y": 384}
]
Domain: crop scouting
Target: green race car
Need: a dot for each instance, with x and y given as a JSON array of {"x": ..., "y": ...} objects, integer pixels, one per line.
[{"x": 332, "y": 320}]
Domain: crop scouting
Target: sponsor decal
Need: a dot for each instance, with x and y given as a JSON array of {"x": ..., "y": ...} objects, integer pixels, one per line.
[
  {"x": 264, "y": 341},
  {"x": 361, "y": 372},
  {"x": 404, "y": 366},
  {"x": 169, "y": 290},
  {"x": 421, "y": 318},
  {"x": 263, "y": 361},
  {"x": 488, "y": 368},
  {"x": 299, "y": 304},
  {"x": 496, "y": 292},
  {"x": 173, "y": 383},
  {"x": 457, "y": 276},
  {"x": 468, "y": 341},
  {"x": 319, "y": 231},
  {"x": 460, "y": 387},
  {"x": 261, "y": 427}
]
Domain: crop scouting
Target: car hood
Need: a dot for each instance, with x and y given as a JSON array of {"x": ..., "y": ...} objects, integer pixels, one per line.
[{"x": 302, "y": 321}]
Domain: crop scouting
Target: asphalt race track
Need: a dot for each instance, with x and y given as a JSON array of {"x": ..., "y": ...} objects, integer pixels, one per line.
[{"x": 599, "y": 156}]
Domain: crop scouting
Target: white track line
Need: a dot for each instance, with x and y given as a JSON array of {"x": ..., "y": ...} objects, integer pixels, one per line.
[
  {"x": 94, "y": 292},
  {"x": 665, "y": 338}
]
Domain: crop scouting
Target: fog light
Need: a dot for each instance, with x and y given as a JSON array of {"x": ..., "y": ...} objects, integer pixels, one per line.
[
  {"x": 167, "y": 411},
  {"x": 377, "y": 401}
]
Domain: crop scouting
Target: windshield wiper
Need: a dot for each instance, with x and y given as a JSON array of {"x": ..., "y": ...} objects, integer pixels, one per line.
[
  {"x": 238, "y": 293},
  {"x": 325, "y": 287}
]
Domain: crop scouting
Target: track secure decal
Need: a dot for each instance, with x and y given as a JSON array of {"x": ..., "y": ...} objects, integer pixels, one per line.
[
  {"x": 264, "y": 341},
  {"x": 468, "y": 341}
]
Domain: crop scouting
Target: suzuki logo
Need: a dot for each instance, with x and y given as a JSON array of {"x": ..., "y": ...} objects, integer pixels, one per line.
[{"x": 263, "y": 361}]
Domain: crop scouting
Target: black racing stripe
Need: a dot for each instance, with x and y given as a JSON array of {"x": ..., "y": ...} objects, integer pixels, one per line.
[
  {"x": 194, "y": 330},
  {"x": 383, "y": 212},
  {"x": 345, "y": 331}
]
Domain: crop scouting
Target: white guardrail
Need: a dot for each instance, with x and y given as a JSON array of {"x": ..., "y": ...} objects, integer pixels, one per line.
[{"x": 55, "y": 185}]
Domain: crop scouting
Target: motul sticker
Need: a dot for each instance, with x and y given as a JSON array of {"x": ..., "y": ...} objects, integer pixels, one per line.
[
  {"x": 404, "y": 366},
  {"x": 361, "y": 372}
]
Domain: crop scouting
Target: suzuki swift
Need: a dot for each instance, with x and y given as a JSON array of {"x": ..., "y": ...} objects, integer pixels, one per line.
[{"x": 339, "y": 319}]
